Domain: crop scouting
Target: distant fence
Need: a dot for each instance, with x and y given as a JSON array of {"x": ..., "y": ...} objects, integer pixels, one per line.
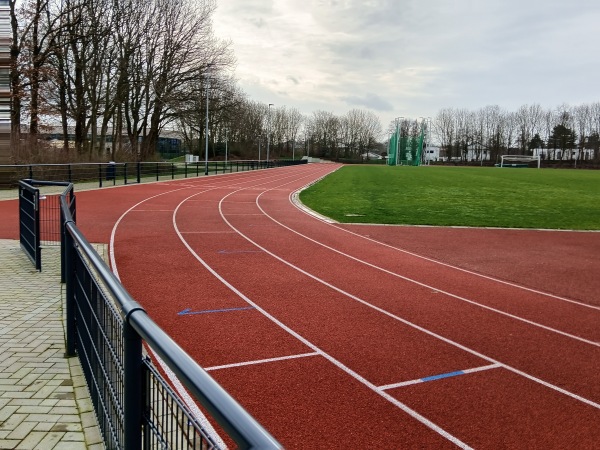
[
  {"x": 136, "y": 408},
  {"x": 111, "y": 174}
]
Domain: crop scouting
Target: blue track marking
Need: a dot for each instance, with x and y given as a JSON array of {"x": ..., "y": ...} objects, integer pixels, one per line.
[
  {"x": 443, "y": 375},
  {"x": 188, "y": 311},
  {"x": 440, "y": 376}
]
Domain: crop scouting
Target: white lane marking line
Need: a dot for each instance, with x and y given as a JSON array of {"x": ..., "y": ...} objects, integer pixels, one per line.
[
  {"x": 190, "y": 403},
  {"x": 417, "y": 327},
  {"x": 437, "y": 290},
  {"x": 181, "y": 391},
  {"x": 294, "y": 199},
  {"x": 441, "y": 376},
  {"x": 508, "y": 283},
  {"x": 414, "y": 414},
  {"x": 261, "y": 361}
]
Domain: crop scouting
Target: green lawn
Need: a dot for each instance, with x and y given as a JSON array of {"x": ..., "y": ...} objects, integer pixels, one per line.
[{"x": 464, "y": 196}]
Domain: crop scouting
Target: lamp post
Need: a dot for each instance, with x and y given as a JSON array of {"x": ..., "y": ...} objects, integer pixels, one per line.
[
  {"x": 397, "y": 140},
  {"x": 226, "y": 130},
  {"x": 259, "y": 141},
  {"x": 268, "y": 132},
  {"x": 422, "y": 120},
  {"x": 206, "y": 128}
]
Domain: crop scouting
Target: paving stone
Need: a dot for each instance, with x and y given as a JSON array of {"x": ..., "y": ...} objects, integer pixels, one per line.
[
  {"x": 9, "y": 444},
  {"x": 31, "y": 441},
  {"x": 39, "y": 405},
  {"x": 21, "y": 431}
]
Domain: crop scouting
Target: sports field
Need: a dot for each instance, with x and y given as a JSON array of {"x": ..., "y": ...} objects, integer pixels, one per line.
[{"x": 460, "y": 196}]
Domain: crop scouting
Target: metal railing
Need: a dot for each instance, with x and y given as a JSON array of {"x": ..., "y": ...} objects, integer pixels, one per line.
[
  {"x": 29, "y": 223},
  {"x": 109, "y": 332},
  {"x": 112, "y": 174},
  {"x": 39, "y": 218},
  {"x": 136, "y": 408}
]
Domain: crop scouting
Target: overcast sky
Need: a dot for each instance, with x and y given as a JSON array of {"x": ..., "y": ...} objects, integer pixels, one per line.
[{"x": 412, "y": 58}]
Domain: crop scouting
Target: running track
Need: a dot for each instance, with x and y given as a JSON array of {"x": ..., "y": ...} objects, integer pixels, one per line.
[{"x": 363, "y": 336}]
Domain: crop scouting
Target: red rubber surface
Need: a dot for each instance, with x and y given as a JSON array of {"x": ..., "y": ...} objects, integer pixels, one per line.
[{"x": 360, "y": 309}]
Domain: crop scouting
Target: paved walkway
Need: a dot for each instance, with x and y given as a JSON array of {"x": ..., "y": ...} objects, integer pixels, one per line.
[{"x": 44, "y": 401}]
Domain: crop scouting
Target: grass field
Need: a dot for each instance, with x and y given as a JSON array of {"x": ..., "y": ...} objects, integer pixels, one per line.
[{"x": 461, "y": 196}]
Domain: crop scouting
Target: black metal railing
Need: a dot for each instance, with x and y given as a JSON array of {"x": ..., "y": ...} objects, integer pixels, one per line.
[
  {"x": 29, "y": 223},
  {"x": 112, "y": 174},
  {"x": 135, "y": 406},
  {"x": 39, "y": 218}
]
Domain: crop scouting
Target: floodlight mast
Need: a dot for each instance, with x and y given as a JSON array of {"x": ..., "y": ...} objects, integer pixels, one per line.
[
  {"x": 397, "y": 140},
  {"x": 206, "y": 126},
  {"x": 268, "y": 132}
]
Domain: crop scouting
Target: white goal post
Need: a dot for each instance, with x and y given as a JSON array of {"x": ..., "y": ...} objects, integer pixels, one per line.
[{"x": 519, "y": 160}]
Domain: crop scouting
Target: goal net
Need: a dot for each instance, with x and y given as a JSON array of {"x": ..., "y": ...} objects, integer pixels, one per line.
[{"x": 519, "y": 161}]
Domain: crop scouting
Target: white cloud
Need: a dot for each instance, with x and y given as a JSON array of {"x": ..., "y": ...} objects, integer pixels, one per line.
[{"x": 412, "y": 57}]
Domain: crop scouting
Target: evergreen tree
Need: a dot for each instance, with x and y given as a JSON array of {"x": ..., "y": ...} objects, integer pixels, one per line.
[{"x": 562, "y": 138}]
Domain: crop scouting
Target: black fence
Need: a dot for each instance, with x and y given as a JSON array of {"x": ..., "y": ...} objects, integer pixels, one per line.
[
  {"x": 39, "y": 215},
  {"x": 113, "y": 337},
  {"x": 29, "y": 223},
  {"x": 112, "y": 174}
]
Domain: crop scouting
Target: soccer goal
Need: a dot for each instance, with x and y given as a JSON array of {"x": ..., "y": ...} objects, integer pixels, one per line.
[{"x": 518, "y": 160}]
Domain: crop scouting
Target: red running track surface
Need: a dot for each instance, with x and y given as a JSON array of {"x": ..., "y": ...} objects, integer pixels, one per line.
[{"x": 337, "y": 336}]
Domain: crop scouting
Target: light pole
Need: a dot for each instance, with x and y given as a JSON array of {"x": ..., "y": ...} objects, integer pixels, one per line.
[
  {"x": 226, "y": 130},
  {"x": 397, "y": 140},
  {"x": 268, "y": 132},
  {"x": 206, "y": 127},
  {"x": 259, "y": 141}
]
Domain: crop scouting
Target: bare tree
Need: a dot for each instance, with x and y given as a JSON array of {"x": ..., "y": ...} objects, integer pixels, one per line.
[{"x": 444, "y": 127}]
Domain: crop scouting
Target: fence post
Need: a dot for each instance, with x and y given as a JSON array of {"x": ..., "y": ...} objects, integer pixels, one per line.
[
  {"x": 69, "y": 262},
  {"x": 172, "y": 171},
  {"x": 38, "y": 232},
  {"x": 139, "y": 172},
  {"x": 125, "y": 173},
  {"x": 185, "y": 169},
  {"x": 132, "y": 386},
  {"x": 157, "y": 176},
  {"x": 100, "y": 175},
  {"x": 63, "y": 248}
]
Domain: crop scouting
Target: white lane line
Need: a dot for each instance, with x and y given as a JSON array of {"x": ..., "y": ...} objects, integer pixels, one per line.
[
  {"x": 439, "y": 377},
  {"x": 190, "y": 403},
  {"x": 487, "y": 277},
  {"x": 427, "y": 286},
  {"x": 294, "y": 199},
  {"x": 181, "y": 391},
  {"x": 261, "y": 361},
  {"x": 414, "y": 414},
  {"x": 415, "y": 326}
]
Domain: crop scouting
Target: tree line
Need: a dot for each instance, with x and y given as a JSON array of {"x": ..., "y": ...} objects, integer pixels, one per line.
[
  {"x": 566, "y": 132},
  {"x": 114, "y": 76},
  {"x": 125, "y": 72}
]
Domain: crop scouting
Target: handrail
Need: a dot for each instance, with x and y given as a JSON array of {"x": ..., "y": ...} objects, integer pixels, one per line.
[{"x": 228, "y": 413}]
